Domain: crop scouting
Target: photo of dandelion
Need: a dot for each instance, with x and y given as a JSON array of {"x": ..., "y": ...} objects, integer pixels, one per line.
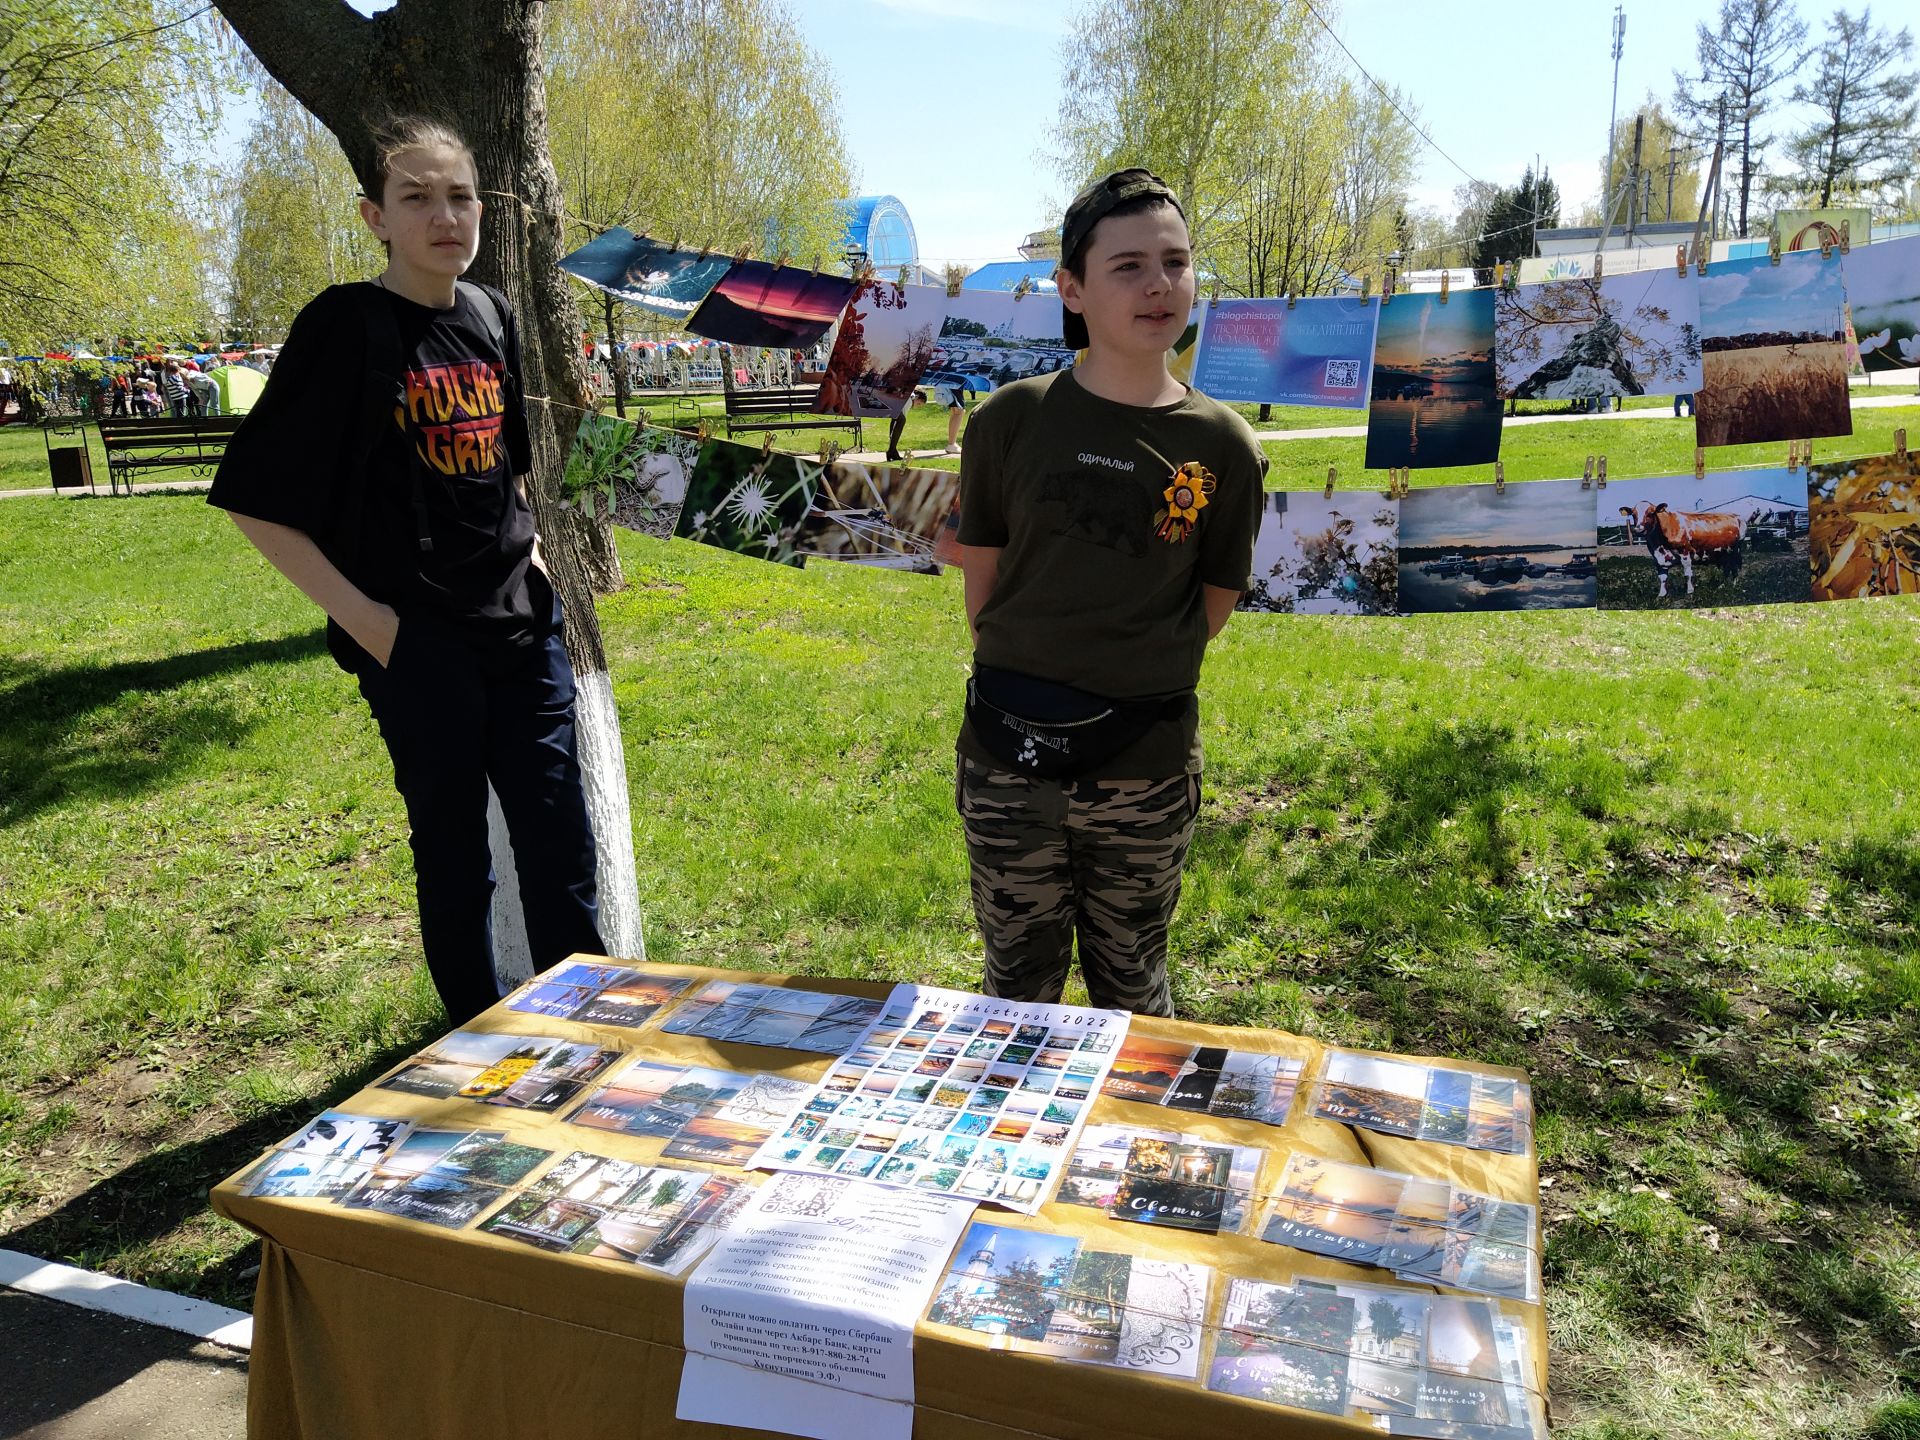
[{"x": 749, "y": 502}]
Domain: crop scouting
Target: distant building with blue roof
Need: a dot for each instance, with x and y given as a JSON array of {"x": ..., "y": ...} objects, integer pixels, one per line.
[
  {"x": 1007, "y": 275},
  {"x": 879, "y": 232}
]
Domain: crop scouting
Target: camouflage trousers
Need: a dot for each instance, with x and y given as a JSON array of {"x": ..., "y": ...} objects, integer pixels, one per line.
[{"x": 1099, "y": 860}]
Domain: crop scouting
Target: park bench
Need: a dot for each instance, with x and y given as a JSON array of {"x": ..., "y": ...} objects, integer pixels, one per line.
[
  {"x": 195, "y": 442},
  {"x": 780, "y": 407}
]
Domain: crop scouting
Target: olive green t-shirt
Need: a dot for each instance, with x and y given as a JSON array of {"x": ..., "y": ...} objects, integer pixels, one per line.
[{"x": 1096, "y": 589}]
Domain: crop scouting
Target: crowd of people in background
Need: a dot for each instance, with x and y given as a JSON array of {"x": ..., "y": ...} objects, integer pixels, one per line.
[{"x": 145, "y": 389}]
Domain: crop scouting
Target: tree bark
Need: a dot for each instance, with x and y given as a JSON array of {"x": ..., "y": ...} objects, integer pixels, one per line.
[{"x": 478, "y": 65}]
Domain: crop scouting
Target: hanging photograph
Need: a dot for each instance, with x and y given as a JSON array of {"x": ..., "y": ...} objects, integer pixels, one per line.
[
  {"x": 1434, "y": 397},
  {"x": 749, "y": 502},
  {"x": 1476, "y": 547},
  {"x": 1636, "y": 334},
  {"x": 1326, "y": 555},
  {"x": 1864, "y": 527},
  {"x": 1775, "y": 342},
  {"x": 1309, "y": 352},
  {"x": 992, "y": 337},
  {"x": 1883, "y": 286},
  {"x": 647, "y": 273},
  {"x": 886, "y": 341},
  {"x": 889, "y": 516},
  {"x": 774, "y": 305},
  {"x": 1731, "y": 537},
  {"x": 636, "y": 474}
]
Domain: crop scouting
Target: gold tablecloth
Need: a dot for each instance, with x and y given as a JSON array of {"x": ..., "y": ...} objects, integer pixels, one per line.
[{"x": 371, "y": 1327}]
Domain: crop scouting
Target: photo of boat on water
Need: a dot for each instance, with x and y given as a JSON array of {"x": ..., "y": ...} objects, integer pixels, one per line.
[{"x": 1478, "y": 547}]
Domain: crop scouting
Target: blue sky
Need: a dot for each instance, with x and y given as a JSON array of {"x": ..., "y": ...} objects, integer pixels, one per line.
[
  {"x": 1750, "y": 297},
  {"x": 948, "y": 103},
  {"x": 1540, "y": 512}
]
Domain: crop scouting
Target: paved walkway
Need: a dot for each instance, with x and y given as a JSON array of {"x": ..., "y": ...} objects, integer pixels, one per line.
[
  {"x": 85, "y": 1356},
  {"x": 73, "y": 1374}
]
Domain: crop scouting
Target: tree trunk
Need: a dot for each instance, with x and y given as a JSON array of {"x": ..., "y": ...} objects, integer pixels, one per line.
[
  {"x": 477, "y": 64},
  {"x": 616, "y": 362}
]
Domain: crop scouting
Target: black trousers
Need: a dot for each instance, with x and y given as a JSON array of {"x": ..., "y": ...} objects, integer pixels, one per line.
[{"x": 457, "y": 712}]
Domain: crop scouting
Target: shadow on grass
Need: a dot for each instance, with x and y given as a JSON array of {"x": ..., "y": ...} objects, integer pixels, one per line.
[
  {"x": 164, "y": 1189},
  {"x": 1416, "y": 914},
  {"x": 104, "y": 731}
]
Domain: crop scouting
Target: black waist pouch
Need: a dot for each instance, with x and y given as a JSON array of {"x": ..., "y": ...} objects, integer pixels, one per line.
[{"x": 1052, "y": 731}]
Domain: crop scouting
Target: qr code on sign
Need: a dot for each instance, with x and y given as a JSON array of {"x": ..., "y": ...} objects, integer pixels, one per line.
[{"x": 1343, "y": 374}]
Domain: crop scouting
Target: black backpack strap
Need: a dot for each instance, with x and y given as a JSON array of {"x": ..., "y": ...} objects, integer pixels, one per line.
[{"x": 482, "y": 300}]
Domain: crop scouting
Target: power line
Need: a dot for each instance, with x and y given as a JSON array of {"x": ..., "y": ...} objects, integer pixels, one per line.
[{"x": 1388, "y": 95}]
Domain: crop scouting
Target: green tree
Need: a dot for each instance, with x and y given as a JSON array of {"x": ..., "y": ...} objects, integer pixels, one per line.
[
  {"x": 1670, "y": 169},
  {"x": 638, "y": 86},
  {"x": 94, "y": 238},
  {"x": 1383, "y": 1319},
  {"x": 297, "y": 226},
  {"x": 1183, "y": 87},
  {"x": 1864, "y": 138},
  {"x": 1756, "y": 48},
  {"x": 1511, "y": 217}
]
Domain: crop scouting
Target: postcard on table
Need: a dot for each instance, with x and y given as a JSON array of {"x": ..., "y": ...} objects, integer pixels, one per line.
[
  {"x": 957, "y": 1094},
  {"x": 1283, "y": 1344},
  {"x": 471, "y": 1178}
]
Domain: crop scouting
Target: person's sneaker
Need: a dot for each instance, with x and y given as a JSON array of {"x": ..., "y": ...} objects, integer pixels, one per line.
[{"x": 952, "y": 448}]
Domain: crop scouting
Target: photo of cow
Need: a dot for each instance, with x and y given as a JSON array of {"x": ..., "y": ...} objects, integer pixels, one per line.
[{"x": 1730, "y": 537}]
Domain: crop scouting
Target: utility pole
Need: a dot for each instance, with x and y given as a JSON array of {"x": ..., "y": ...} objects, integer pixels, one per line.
[
  {"x": 1633, "y": 178},
  {"x": 1613, "y": 114}
]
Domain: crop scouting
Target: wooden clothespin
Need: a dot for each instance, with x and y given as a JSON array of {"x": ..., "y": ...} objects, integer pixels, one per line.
[
  {"x": 1701, "y": 256},
  {"x": 703, "y": 431},
  {"x": 766, "y": 445},
  {"x": 1599, "y": 266},
  {"x": 1292, "y": 300},
  {"x": 674, "y": 244},
  {"x": 1793, "y": 456},
  {"x": 1773, "y": 248},
  {"x": 1446, "y": 280},
  {"x": 780, "y": 261},
  {"x": 1846, "y": 236},
  {"x": 1366, "y": 288},
  {"x": 1020, "y": 290},
  {"x": 1386, "y": 289},
  {"x": 740, "y": 255},
  {"x": 829, "y": 451},
  {"x": 1586, "y": 476},
  {"x": 705, "y": 251},
  {"x": 1500, "y": 274},
  {"x": 1213, "y": 299},
  {"x": 1900, "y": 444},
  {"x": 905, "y": 272},
  {"x": 1826, "y": 245},
  {"x": 1680, "y": 260},
  {"x": 1499, "y": 477},
  {"x": 1334, "y": 470},
  {"x": 816, "y": 266},
  {"x": 1600, "y": 478},
  {"x": 1699, "y": 462},
  {"x": 1403, "y": 482}
]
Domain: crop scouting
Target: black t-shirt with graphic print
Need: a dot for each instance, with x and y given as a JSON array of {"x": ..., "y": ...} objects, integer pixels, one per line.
[
  {"x": 451, "y": 437},
  {"x": 1099, "y": 585}
]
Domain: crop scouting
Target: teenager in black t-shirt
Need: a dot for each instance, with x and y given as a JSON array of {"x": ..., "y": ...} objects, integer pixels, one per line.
[{"x": 382, "y": 471}]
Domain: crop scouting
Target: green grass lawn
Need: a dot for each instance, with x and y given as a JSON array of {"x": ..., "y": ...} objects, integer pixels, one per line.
[{"x": 1667, "y": 862}]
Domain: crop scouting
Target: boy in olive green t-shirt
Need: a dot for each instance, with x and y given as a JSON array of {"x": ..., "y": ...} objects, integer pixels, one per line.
[{"x": 1107, "y": 516}]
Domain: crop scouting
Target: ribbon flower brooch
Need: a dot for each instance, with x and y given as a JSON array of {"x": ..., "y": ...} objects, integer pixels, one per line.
[{"x": 1186, "y": 496}]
